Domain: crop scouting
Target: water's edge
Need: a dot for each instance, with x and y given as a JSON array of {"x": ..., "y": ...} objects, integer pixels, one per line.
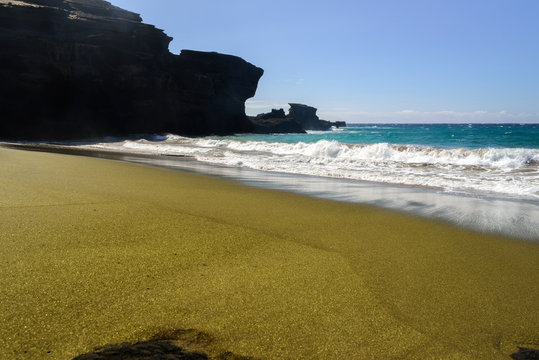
[{"x": 497, "y": 215}]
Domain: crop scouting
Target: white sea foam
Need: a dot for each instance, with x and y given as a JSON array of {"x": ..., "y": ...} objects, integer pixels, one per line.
[{"x": 506, "y": 171}]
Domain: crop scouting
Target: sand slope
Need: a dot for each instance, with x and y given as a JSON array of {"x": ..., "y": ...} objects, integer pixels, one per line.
[{"x": 97, "y": 252}]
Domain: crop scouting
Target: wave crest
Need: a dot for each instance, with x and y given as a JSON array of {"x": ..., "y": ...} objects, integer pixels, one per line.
[
  {"x": 504, "y": 158},
  {"x": 513, "y": 171}
]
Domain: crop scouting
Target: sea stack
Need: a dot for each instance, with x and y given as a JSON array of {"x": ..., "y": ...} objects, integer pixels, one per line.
[
  {"x": 306, "y": 116},
  {"x": 299, "y": 119},
  {"x": 77, "y": 69}
]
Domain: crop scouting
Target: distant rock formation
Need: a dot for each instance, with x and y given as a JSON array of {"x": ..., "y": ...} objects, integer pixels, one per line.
[
  {"x": 306, "y": 116},
  {"x": 276, "y": 122},
  {"x": 74, "y": 69},
  {"x": 299, "y": 119}
]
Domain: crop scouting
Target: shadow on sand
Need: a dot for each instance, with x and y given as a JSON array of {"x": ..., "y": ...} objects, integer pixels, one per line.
[{"x": 168, "y": 344}]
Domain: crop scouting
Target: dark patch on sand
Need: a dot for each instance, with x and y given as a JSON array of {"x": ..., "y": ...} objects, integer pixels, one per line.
[
  {"x": 166, "y": 344},
  {"x": 525, "y": 354},
  {"x": 147, "y": 350}
]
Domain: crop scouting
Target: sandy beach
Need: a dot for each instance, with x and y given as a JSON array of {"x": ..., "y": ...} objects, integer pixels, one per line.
[{"x": 98, "y": 252}]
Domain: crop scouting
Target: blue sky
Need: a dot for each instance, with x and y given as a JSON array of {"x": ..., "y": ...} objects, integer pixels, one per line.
[{"x": 379, "y": 61}]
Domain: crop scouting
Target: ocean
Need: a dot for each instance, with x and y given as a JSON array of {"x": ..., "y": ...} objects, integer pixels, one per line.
[{"x": 479, "y": 176}]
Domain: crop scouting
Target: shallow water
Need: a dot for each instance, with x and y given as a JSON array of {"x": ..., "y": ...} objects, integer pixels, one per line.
[
  {"x": 497, "y": 215},
  {"x": 481, "y": 177},
  {"x": 489, "y": 213},
  {"x": 474, "y": 160}
]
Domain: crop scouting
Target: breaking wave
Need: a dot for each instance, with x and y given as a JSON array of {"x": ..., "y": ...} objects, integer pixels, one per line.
[{"x": 509, "y": 171}]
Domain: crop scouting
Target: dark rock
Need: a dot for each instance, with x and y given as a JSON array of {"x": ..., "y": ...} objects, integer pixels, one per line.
[
  {"x": 275, "y": 122},
  {"x": 306, "y": 116},
  {"x": 274, "y": 114},
  {"x": 300, "y": 118},
  {"x": 72, "y": 69}
]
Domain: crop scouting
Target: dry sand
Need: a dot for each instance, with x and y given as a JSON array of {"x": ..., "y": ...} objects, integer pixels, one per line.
[{"x": 95, "y": 252}]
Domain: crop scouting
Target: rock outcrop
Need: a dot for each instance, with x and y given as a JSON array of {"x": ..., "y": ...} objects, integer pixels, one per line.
[
  {"x": 276, "y": 122},
  {"x": 306, "y": 116},
  {"x": 300, "y": 118},
  {"x": 75, "y": 69}
]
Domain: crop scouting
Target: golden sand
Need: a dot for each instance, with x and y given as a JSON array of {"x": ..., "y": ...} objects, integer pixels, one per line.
[{"x": 97, "y": 251}]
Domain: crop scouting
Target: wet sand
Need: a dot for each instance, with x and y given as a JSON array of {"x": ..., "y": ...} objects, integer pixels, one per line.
[
  {"x": 499, "y": 215},
  {"x": 98, "y": 252}
]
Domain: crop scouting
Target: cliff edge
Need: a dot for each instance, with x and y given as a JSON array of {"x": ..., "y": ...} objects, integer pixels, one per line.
[{"x": 76, "y": 69}]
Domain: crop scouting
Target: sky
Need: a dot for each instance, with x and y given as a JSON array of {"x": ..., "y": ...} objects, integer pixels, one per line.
[{"x": 375, "y": 60}]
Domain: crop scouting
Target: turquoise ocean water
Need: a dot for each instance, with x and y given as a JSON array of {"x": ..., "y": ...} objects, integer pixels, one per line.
[
  {"x": 475, "y": 159},
  {"x": 484, "y": 177},
  {"x": 471, "y": 136}
]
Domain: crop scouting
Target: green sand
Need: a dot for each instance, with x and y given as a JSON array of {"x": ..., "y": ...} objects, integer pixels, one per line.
[{"x": 98, "y": 251}]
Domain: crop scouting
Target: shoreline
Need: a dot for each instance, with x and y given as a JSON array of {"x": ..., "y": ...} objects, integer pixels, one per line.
[
  {"x": 494, "y": 214},
  {"x": 100, "y": 252}
]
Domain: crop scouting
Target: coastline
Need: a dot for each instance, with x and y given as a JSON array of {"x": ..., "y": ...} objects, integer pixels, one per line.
[
  {"x": 488, "y": 213},
  {"x": 98, "y": 252}
]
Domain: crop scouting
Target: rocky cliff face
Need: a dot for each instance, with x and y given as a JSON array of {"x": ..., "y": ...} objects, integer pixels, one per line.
[
  {"x": 306, "y": 116},
  {"x": 276, "y": 122},
  {"x": 300, "y": 118},
  {"x": 73, "y": 69}
]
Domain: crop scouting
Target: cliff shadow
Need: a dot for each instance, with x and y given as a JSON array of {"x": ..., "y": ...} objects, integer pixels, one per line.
[{"x": 170, "y": 344}]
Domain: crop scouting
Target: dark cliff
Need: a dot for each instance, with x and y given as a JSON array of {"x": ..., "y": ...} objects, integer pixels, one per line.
[
  {"x": 306, "y": 116},
  {"x": 73, "y": 69},
  {"x": 300, "y": 118},
  {"x": 276, "y": 122}
]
